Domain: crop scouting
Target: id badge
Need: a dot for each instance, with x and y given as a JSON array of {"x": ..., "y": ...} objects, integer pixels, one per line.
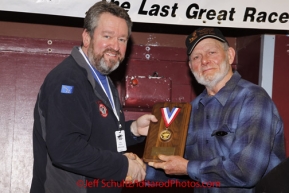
[{"x": 120, "y": 141}]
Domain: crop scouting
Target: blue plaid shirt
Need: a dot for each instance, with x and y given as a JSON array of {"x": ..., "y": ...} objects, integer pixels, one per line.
[{"x": 234, "y": 139}]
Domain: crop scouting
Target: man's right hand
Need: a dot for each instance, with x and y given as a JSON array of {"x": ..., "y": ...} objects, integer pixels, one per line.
[{"x": 136, "y": 169}]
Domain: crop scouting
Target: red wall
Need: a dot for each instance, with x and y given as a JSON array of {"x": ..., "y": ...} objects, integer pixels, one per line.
[{"x": 281, "y": 80}]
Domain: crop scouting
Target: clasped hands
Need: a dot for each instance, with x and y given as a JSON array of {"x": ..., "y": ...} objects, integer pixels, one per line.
[
  {"x": 173, "y": 165},
  {"x": 136, "y": 168}
]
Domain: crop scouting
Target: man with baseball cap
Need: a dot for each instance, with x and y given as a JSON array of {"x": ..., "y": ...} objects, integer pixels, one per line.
[{"x": 235, "y": 134}]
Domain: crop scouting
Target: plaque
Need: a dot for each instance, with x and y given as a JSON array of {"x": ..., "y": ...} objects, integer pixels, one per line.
[{"x": 168, "y": 135}]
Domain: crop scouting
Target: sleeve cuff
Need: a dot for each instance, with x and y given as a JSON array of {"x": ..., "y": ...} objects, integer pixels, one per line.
[
  {"x": 193, "y": 170},
  {"x": 131, "y": 139},
  {"x": 155, "y": 175}
]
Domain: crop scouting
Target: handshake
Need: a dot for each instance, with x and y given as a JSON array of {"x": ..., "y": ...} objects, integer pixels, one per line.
[{"x": 136, "y": 168}]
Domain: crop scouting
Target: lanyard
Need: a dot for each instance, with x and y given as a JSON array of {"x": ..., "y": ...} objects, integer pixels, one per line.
[{"x": 109, "y": 93}]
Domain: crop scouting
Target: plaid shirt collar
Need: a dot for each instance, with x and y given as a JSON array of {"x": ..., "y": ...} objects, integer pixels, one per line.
[{"x": 223, "y": 95}]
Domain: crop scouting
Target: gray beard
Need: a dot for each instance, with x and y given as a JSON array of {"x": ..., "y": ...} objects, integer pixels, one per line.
[
  {"x": 211, "y": 82},
  {"x": 103, "y": 68},
  {"x": 100, "y": 64}
]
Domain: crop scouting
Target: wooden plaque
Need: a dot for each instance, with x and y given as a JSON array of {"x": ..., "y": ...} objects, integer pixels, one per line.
[{"x": 169, "y": 140}]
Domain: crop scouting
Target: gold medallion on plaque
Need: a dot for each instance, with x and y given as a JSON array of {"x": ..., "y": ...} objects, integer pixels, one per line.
[
  {"x": 168, "y": 116},
  {"x": 165, "y": 135}
]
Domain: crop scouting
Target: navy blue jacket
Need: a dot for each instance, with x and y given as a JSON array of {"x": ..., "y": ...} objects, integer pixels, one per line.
[{"x": 74, "y": 141}]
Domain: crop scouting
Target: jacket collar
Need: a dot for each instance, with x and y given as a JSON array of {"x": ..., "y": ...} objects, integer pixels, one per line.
[{"x": 78, "y": 57}]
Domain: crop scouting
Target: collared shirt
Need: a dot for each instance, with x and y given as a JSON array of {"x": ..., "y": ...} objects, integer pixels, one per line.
[{"x": 235, "y": 137}]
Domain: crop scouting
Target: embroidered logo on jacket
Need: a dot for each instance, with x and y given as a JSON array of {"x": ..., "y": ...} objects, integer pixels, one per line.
[{"x": 102, "y": 109}]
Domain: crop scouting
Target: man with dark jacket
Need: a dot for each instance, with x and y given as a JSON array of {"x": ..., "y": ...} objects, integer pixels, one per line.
[{"x": 80, "y": 133}]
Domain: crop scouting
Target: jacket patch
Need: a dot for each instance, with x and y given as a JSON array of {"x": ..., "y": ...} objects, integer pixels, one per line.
[
  {"x": 66, "y": 89},
  {"x": 102, "y": 109}
]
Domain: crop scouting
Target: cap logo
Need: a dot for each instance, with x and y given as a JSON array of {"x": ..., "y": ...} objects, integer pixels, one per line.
[
  {"x": 194, "y": 36},
  {"x": 201, "y": 32},
  {"x": 206, "y": 31}
]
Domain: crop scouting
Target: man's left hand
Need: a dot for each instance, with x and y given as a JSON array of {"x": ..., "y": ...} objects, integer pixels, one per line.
[{"x": 141, "y": 125}]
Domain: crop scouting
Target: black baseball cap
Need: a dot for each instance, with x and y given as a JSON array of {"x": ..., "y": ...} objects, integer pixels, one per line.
[{"x": 201, "y": 33}]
